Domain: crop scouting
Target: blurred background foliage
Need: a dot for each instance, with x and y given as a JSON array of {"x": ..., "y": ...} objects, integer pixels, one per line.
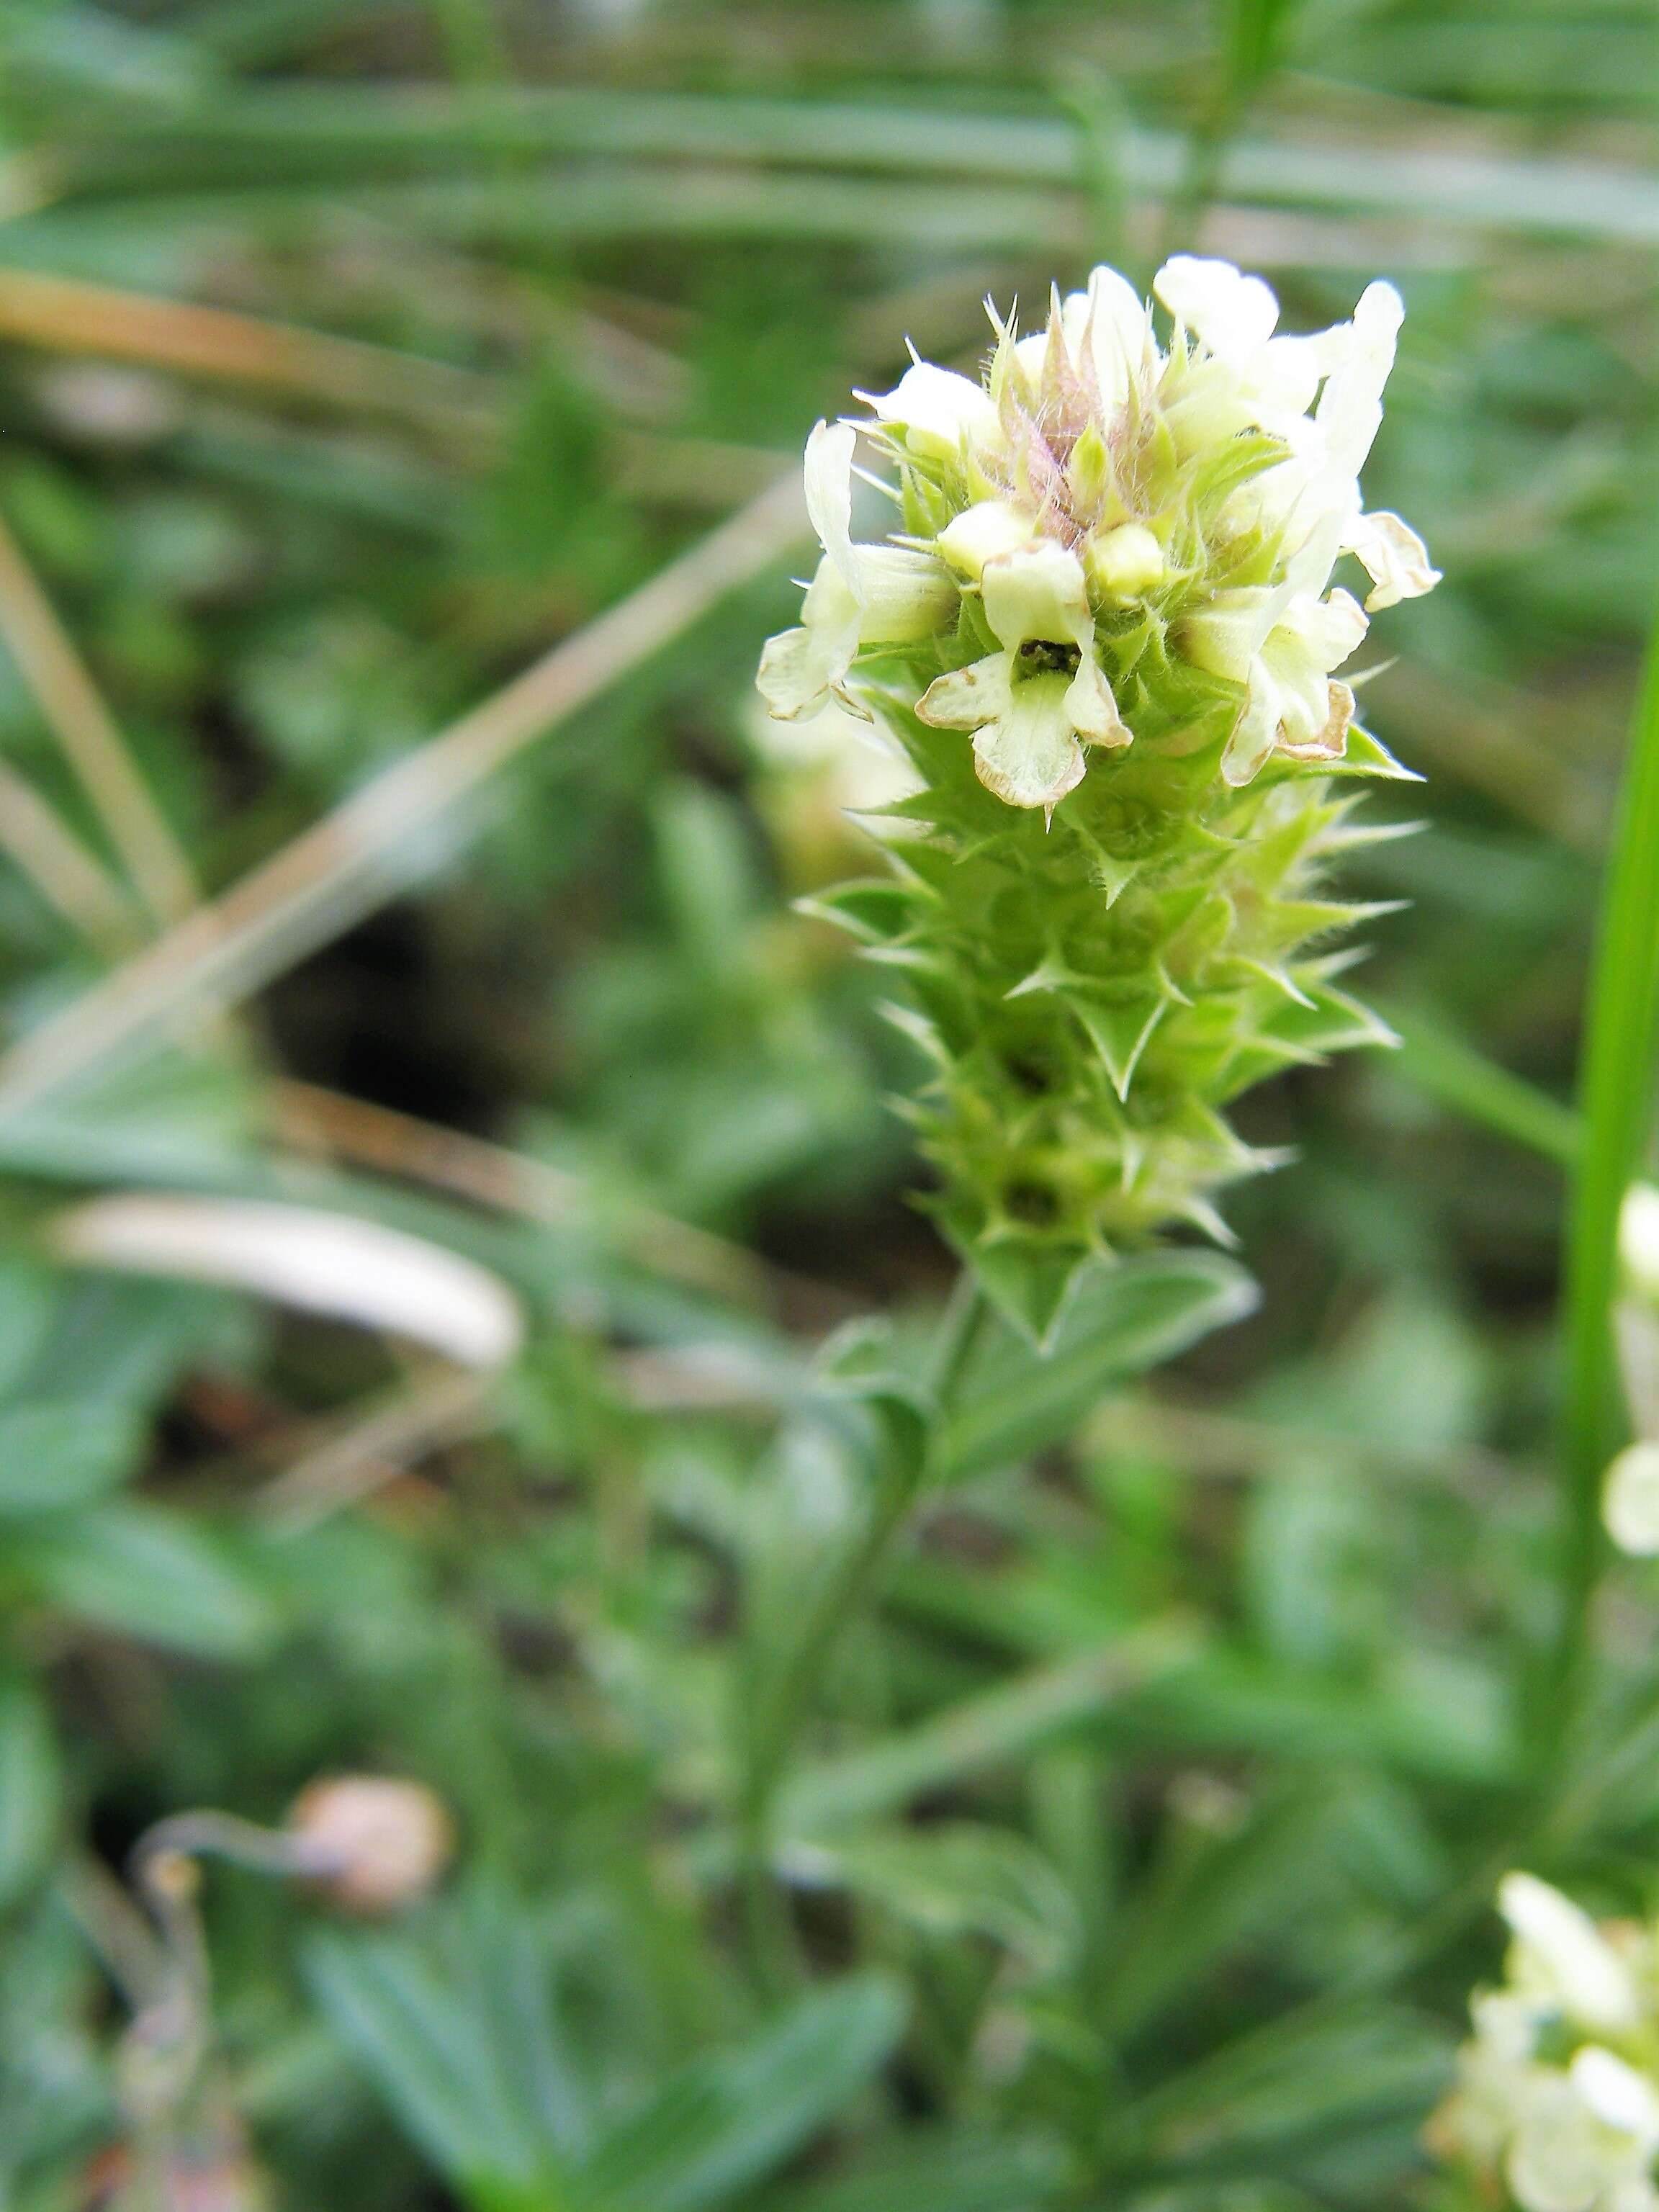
[{"x": 1133, "y": 1847}]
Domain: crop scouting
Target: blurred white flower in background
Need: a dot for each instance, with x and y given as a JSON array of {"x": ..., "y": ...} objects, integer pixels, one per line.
[
  {"x": 1555, "y": 2104},
  {"x": 815, "y": 774},
  {"x": 1630, "y": 1494}
]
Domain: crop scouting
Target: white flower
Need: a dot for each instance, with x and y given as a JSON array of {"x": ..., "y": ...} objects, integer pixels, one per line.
[
  {"x": 1639, "y": 1240},
  {"x": 845, "y": 762},
  {"x": 937, "y": 410},
  {"x": 1027, "y": 705},
  {"x": 1393, "y": 555},
  {"x": 1585, "y": 2139},
  {"x": 860, "y": 594},
  {"x": 1621, "y": 2099},
  {"x": 1578, "y": 2132},
  {"x": 1554, "y": 2162},
  {"x": 1358, "y": 357},
  {"x": 1082, "y": 468},
  {"x": 1273, "y": 380},
  {"x": 1630, "y": 1500},
  {"x": 1561, "y": 1956},
  {"x": 1282, "y": 645}
]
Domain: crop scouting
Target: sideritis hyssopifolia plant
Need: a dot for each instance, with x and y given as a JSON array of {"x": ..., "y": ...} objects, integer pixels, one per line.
[{"x": 1103, "y": 631}]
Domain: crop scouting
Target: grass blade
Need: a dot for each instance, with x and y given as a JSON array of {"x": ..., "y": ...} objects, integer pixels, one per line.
[
  {"x": 1446, "y": 1069},
  {"x": 1621, "y": 1029},
  {"x": 355, "y": 859}
]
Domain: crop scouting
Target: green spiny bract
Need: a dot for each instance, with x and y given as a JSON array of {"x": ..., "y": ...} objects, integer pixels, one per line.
[{"x": 1102, "y": 636}]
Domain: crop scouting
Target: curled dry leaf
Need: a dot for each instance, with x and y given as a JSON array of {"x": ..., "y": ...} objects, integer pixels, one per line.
[{"x": 320, "y": 1262}]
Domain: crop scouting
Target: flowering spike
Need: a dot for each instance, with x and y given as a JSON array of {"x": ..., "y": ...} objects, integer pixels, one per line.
[{"x": 1107, "y": 638}]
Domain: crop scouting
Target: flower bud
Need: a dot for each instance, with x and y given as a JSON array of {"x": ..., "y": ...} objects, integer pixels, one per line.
[
  {"x": 1125, "y": 563},
  {"x": 372, "y": 1843},
  {"x": 904, "y": 597},
  {"x": 983, "y": 533},
  {"x": 937, "y": 409}
]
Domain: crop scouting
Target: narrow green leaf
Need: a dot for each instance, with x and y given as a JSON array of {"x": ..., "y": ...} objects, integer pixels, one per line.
[
  {"x": 55, "y": 1457},
  {"x": 1004, "y": 1724},
  {"x": 1616, "y": 1108},
  {"x": 723, "y": 2124},
  {"x": 29, "y": 1294},
  {"x": 931, "y": 2171},
  {"x": 954, "y": 1879},
  {"x": 150, "y": 1573},
  {"x": 432, "y": 2048},
  {"x": 30, "y": 1788}
]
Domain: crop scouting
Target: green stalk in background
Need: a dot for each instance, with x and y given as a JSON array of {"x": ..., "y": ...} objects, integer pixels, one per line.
[
  {"x": 1252, "y": 36},
  {"x": 1621, "y": 1029}
]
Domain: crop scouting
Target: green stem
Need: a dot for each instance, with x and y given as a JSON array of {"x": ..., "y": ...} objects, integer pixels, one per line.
[
  {"x": 1615, "y": 1090},
  {"x": 1253, "y": 33},
  {"x": 839, "y": 1600},
  {"x": 845, "y": 1588},
  {"x": 958, "y": 1327}
]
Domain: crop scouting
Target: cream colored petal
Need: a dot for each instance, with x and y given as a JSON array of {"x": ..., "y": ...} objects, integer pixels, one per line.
[
  {"x": 1360, "y": 354},
  {"x": 794, "y": 678},
  {"x": 1639, "y": 1240},
  {"x": 1630, "y": 1500},
  {"x": 1255, "y": 733},
  {"x": 902, "y": 595},
  {"x": 1312, "y": 638},
  {"x": 1038, "y": 592},
  {"x": 1618, "y": 2096},
  {"x": 828, "y": 477},
  {"x": 938, "y": 409},
  {"x": 799, "y": 667},
  {"x": 1225, "y": 635},
  {"x": 1286, "y": 378},
  {"x": 1092, "y": 710},
  {"x": 1505, "y": 2025},
  {"x": 1393, "y": 556},
  {"x": 969, "y": 697},
  {"x": 1120, "y": 334},
  {"x": 1031, "y": 353},
  {"x": 1553, "y": 2163},
  {"x": 1567, "y": 1953},
  {"x": 1232, "y": 313},
  {"x": 1073, "y": 313},
  {"x": 1351, "y": 406},
  {"x": 831, "y": 602},
  {"x": 1323, "y": 632},
  {"x": 1029, "y": 756},
  {"x": 1330, "y": 743}
]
